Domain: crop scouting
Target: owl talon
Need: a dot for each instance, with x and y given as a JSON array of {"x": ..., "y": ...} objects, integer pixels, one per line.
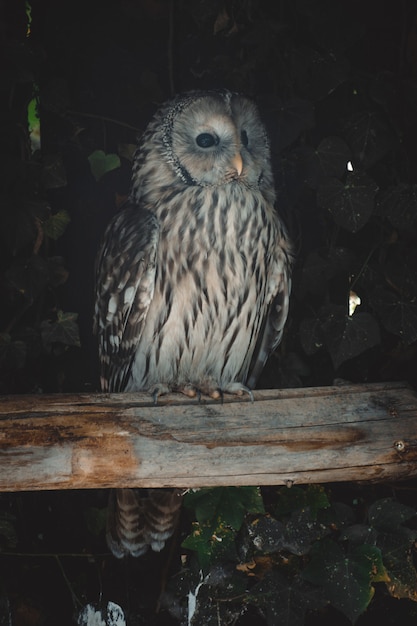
[
  {"x": 238, "y": 389},
  {"x": 158, "y": 390},
  {"x": 216, "y": 394},
  {"x": 190, "y": 391}
]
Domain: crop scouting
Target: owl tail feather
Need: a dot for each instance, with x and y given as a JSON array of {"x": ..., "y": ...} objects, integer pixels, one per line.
[{"x": 141, "y": 518}]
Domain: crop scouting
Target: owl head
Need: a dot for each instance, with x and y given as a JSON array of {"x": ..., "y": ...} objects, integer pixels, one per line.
[{"x": 207, "y": 138}]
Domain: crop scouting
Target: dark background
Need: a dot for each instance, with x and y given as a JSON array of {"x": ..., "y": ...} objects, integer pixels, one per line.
[{"x": 335, "y": 82}]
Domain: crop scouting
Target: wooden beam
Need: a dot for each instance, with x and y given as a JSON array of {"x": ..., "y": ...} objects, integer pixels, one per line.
[{"x": 314, "y": 435}]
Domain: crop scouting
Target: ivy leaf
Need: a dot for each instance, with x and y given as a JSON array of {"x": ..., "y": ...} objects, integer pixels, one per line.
[
  {"x": 211, "y": 599},
  {"x": 345, "y": 578},
  {"x": 322, "y": 265},
  {"x": 388, "y": 514},
  {"x": 101, "y": 163},
  {"x": 212, "y": 542},
  {"x": 290, "y": 500},
  {"x": 96, "y": 519},
  {"x": 56, "y": 224},
  {"x": 29, "y": 276},
  {"x": 347, "y": 336},
  {"x": 310, "y": 334},
  {"x": 64, "y": 330},
  {"x": 220, "y": 513},
  {"x": 351, "y": 203},
  {"x": 266, "y": 534},
  {"x": 329, "y": 159},
  {"x": 397, "y": 315},
  {"x": 34, "y": 123},
  {"x": 301, "y": 531},
  {"x": 358, "y": 534},
  {"x": 399, "y": 205},
  {"x": 317, "y": 75},
  {"x": 398, "y": 560},
  {"x": 291, "y": 117},
  {"x": 58, "y": 274},
  {"x": 395, "y": 543},
  {"x": 370, "y": 137},
  {"x": 284, "y": 600},
  {"x": 229, "y": 504},
  {"x": 54, "y": 175}
]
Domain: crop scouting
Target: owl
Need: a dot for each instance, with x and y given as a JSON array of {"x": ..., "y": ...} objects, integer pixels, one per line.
[{"x": 193, "y": 276}]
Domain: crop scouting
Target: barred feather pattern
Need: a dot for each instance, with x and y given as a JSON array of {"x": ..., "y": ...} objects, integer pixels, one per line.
[{"x": 193, "y": 276}]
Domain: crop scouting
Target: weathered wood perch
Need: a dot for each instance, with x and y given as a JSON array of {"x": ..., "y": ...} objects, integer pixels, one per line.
[{"x": 315, "y": 435}]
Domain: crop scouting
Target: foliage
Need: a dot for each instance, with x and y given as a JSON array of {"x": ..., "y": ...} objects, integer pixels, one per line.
[
  {"x": 219, "y": 515},
  {"x": 33, "y": 325},
  {"x": 311, "y": 553},
  {"x": 101, "y": 163}
]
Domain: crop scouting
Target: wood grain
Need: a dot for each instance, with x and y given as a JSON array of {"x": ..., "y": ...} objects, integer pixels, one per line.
[{"x": 314, "y": 435}]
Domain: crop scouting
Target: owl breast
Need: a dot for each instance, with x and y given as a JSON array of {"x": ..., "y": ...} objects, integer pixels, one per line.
[{"x": 209, "y": 301}]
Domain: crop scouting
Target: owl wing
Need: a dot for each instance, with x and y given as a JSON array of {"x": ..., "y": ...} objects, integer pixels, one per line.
[
  {"x": 125, "y": 280},
  {"x": 274, "y": 322}
]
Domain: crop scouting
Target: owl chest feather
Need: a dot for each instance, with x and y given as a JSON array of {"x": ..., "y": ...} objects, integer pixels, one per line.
[{"x": 210, "y": 292}]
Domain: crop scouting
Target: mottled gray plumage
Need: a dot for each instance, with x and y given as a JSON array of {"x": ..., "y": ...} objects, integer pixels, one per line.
[{"x": 193, "y": 275}]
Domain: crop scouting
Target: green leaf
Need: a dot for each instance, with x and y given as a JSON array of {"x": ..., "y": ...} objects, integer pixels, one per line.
[
  {"x": 398, "y": 316},
  {"x": 213, "y": 543},
  {"x": 58, "y": 274},
  {"x": 310, "y": 334},
  {"x": 64, "y": 330},
  {"x": 351, "y": 203},
  {"x": 399, "y": 205},
  {"x": 33, "y": 116},
  {"x": 330, "y": 158},
  {"x": 266, "y": 534},
  {"x": 301, "y": 531},
  {"x": 396, "y": 542},
  {"x": 398, "y": 560},
  {"x": 388, "y": 514},
  {"x": 212, "y": 599},
  {"x": 29, "y": 276},
  {"x": 292, "y": 117},
  {"x": 34, "y": 124},
  {"x": 229, "y": 504},
  {"x": 220, "y": 513},
  {"x": 318, "y": 74},
  {"x": 345, "y": 578},
  {"x": 322, "y": 265},
  {"x": 347, "y": 336},
  {"x": 96, "y": 519},
  {"x": 54, "y": 175},
  {"x": 370, "y": 137},
  {"x": 285, "y": 600},
  {"x": 55, "y": 226},
  {"x": 291, "y": 500},
  {"x": 101, "y": 163}
]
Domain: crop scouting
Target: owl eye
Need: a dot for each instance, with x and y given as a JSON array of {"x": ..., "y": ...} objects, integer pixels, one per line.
[
  {"x": 207, "y": 140},
  {"x": 244, "y": 138}
]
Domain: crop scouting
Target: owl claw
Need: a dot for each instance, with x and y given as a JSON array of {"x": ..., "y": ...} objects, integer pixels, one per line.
[
  {"x": 238, "y": 389},
  {"x": 217, "y": 394},
  {"x": 158, "y": 390},
  {"x": 192, "y": 391}
]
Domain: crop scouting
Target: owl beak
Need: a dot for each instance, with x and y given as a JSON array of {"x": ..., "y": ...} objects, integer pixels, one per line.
[{"x": 237, "y": 163}]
